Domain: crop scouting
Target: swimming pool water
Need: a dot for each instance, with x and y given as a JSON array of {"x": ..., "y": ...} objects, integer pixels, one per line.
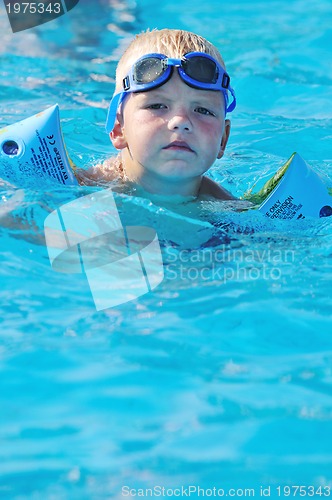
[{"x": 221, "y": 377}]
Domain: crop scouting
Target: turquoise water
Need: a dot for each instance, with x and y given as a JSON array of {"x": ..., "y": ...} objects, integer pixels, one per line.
[{"x": 221, "y": 377}]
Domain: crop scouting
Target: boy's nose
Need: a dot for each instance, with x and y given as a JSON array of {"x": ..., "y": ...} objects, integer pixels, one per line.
[{"x": 180, "y": 121}]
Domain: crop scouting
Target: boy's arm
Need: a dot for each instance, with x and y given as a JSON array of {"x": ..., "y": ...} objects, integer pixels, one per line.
[{"x": 21, "y": 222}]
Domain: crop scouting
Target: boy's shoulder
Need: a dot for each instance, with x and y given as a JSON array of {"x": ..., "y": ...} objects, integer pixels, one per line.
[
  {"x": 211, "y": 188},
  {"x": 111, "y": 170},
  {"x": 107, "y": 171}
]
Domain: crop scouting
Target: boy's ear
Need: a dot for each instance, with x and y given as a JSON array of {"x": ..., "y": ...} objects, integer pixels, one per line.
[
  {"x": 224, "y": 138},
  {"x": 117, "y": 135}
]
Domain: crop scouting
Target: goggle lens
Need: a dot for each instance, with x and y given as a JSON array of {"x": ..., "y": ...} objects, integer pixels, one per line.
[
  {"x": 200, "y": 69},
  {"x": 148, "y": 70}
]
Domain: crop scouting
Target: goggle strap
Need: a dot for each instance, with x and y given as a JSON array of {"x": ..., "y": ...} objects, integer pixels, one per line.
[
  {"x": 232, "y": 105},
  {"x": 225, "y": 81},
  {"x": 112, "y": 110},
  {"x": 126, "y": 83}
]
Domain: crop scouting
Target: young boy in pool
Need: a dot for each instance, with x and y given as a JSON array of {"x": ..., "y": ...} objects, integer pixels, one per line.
[{"x": 167, "y": 116}]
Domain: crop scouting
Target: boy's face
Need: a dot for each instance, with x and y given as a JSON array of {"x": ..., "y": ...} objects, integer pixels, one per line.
[{"x": 174, "y": 131}]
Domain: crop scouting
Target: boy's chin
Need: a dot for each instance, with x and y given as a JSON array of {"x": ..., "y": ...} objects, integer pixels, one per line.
[{"x": 180, "y": 170}]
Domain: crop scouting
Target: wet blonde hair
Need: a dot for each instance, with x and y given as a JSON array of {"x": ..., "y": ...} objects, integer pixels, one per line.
[{"x": 171, "y": 42}]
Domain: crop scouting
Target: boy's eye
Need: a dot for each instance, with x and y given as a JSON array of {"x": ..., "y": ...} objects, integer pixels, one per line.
[
  {"x": 157, "y": 105},
  {"x": 204, "y": 111}
]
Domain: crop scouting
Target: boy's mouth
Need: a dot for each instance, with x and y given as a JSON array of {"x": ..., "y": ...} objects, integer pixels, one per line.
[{"x": 179, "y": 146}]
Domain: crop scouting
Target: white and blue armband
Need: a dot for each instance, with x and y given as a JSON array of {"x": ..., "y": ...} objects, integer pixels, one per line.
[
  {"x": 294, "y": 192},
  {"x": 34, "y": 149}
]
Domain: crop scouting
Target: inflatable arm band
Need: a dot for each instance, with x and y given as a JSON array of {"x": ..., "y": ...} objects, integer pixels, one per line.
[
  {"x": 294, "y": 192},
  {"x": 34, "y": 148}
]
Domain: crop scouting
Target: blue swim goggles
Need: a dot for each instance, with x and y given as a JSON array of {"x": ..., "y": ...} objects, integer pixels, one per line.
[{"x": 197, "y": 69}]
